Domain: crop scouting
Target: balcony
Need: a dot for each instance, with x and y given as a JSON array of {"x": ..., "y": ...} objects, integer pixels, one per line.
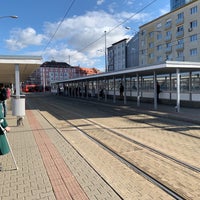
[
  {"x": 179, "y": 47},
  {"x": 179, "y": 21},
  {"x": 180, "y": 58},
  {"x": 168, "y": 38},
  {"x": 168, "y": 25},
  {"x": 180, "y": 34},
  {"x": 168, "y": 49}
]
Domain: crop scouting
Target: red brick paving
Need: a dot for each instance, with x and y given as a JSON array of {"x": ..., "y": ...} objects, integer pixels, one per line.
[{"x": 64, "y": 184}]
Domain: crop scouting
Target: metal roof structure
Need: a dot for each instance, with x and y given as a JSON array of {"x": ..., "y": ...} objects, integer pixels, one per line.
[
  {"x": 169, "y": 67},
  {"x": 27, "y": 65},
  {"x": 164, "y": 68}
]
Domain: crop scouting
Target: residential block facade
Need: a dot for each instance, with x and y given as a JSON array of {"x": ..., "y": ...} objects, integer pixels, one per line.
[
  {"x": 54, "y": 71},
  {"x": 173, "y": 36},
  {"x": 117, "y": 56}
]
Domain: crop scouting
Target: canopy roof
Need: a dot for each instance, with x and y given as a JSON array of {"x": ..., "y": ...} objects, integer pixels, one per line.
[
  {"x": 164, "y": 68},
  {"x": 27, "y": 65}
]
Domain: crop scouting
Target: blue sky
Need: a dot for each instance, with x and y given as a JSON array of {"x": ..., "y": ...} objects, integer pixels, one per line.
[{"x": 72, "y": 31}]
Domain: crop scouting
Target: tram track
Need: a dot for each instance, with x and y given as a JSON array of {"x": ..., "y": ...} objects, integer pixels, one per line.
[
  {"x": 191, "y": 167},
  {"x": 166, "y": 187},
  {"x": 162, "y": 118},
  {"x": 138, "y": 170},
  {"x": 172, "y": 192},
  {"x": 171, "y": 129}
]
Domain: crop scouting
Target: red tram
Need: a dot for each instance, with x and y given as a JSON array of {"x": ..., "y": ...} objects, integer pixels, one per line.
[{"x": 32, "y": 88}]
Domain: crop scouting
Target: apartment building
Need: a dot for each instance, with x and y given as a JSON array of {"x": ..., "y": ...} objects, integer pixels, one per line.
[
  {"x": 173, "y": 36},
  {"x": 178, "y": 3},
  {"x": 53, "y": 71},
  {"x": 133, "y": 51},
  {"x": 117, "y": 56}
]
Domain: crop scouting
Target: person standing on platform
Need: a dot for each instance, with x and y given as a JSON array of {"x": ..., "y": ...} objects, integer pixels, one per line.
[
  {"x": 158, "y": 90},
  {"x": 121, "y": 90},
  {"x": 4, "y": 146},
  {"x": 8, "y": 92},
  {"x": 3, "y": 97}
]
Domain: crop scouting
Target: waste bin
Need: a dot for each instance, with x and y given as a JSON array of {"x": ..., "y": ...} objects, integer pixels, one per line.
[{"x": 18, "y": 105}]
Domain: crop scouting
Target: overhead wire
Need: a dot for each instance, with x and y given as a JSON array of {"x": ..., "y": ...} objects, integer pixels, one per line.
[
  {"x": 66, "y": 13},
  {"x": 132, "y": 16},
  {"x": 93, "y": 42},
  {"x": 123, "y": 22}
]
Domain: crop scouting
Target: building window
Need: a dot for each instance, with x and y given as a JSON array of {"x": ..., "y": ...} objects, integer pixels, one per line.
[
  {"x": 193, "y": 38},
  {"x": 143, "y": 43},
  {"x": 181, "y": 41},
  {"x": 180, "y": 56},
  {"x": 142, "y": 52},
  {"x": 159, "y": 47},
  {"x": 151, "y": 34},
  {"x": 169, "y": 57},
  {"x": 180, "y": 19},
  {"x": 180, "y": 31},
  {"x": 180, "y": 28},
  {"x": 193, "y": 52},
  {"x": 143, "y": 32},
  {"x": 169, "y": 44},
  {"x": 180, "y": 53},
  {"x": 168, "y": 24},
  {"x": 143, "y": 62},
  {"x": 151, "y": 45},
  {"x": 168, "y": 33},
  {"x": 151, "y": 55},
  {"x": 159, "y": 58},
  {"x": 168, "y": 47},
  {"x": 180, "y": 16},
  {"x": 159, "y": 36},
  {"x": 193, "y": 24},
  {"x": 193, "y": 10},
  {"x": 159, "y": 26}
]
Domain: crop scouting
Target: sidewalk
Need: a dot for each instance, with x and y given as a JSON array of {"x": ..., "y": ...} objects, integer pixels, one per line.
[
  {"x": 46, "y": 162},
  {"x": 45, "y": 165},
  {"x": 169, "y": 111}
]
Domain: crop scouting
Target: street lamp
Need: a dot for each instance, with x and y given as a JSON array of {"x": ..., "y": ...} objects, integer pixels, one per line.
[
  {"x": 105, "y": 53},
  {"x": 9, "y": 16}
]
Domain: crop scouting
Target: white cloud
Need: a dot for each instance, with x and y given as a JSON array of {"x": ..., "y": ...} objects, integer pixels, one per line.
[
  {"x": 130, "y": 2},
  {"x": 78, "y": 38},
  {"x": 164, "y": 10},
  {"x": 99, "y": 2},
  {"x": 80, "y": 31},
  {"x": 69, "y": 56},
  {"x": 21, "y": 38},
  {"x": 112, "y": 7}
]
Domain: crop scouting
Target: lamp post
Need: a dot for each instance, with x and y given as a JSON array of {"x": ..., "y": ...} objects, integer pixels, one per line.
[
  {"x": 9, "y": 16},
  {"x": 105, "y": 53}
]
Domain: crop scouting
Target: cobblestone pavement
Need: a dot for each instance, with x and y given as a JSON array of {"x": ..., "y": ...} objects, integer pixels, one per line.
[{"x": 51, "y": 168}]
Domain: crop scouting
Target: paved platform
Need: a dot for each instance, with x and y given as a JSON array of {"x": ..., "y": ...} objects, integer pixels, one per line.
[
  {"x": 46, "y": 169},
  {"x": 189, "y": 114}
]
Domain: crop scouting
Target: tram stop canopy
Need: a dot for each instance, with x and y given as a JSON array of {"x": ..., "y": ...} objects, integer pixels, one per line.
[
  {"x": 26, "y": 66},
  {"x": 167, "y": 68},
  {"x": 15, "y": 69}
]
